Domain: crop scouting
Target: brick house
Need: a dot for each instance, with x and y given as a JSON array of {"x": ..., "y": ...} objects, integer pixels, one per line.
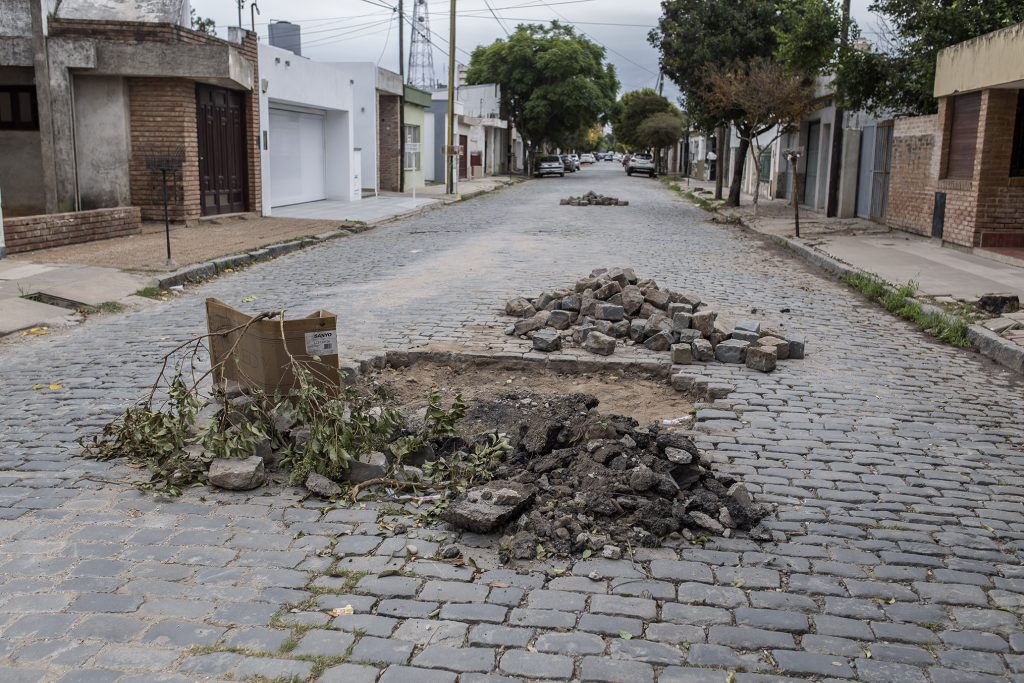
[
  {"x": 93, "y": 95},
  {"x": 958, "y": 175}
]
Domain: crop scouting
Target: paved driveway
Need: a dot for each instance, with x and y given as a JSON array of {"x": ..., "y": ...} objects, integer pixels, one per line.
[{"x": 896, "y": 463}]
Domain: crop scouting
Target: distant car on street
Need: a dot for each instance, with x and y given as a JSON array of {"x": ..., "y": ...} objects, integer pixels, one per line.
[
  {"x": 549, "y": 165},
  {"x": 587, "y": 159},
  {"x": 568, "y": 163},
  {"x": 641, "y": 163},
  {"x": 576, "y": 161}
]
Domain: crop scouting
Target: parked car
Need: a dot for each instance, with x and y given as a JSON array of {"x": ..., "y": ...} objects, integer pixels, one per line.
[
  {"x": 575, "y": 160},
  {"x": 587, "y": 159},
  {"x": 568, "y": 164},
  {"x": 641, "y": 163},
  {"x": 549, "y": 165}
]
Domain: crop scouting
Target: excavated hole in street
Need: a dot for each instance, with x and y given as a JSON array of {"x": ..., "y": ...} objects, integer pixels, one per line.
[
  {"x": 594, "y": 468},
  {"x": 620, "y": 392}
]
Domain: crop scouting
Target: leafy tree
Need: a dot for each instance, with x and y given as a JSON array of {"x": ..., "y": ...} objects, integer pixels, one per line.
[
  {"x": 634, "y": 108},
  {"x": 900, "y": 78},
  {"x": 658, "y": 131},
  {"x": 202, "y": 25},
  {"x": 770, "y": 97},
  {"x": 696, "y": 38},
  {"x": 554, "y": 83}
]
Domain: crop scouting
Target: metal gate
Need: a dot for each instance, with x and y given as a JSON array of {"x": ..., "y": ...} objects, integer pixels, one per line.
[
  {"x": 222, "y": 172},
  {"x": 880, "y": 172},
  {"x": 810, "y": 187}
]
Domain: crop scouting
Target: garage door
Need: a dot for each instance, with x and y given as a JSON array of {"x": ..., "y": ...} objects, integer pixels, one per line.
[{"x": 296, "y": 157}]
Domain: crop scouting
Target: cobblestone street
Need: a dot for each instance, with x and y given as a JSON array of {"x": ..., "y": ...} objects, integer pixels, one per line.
[{"x": 896, "y": 462}]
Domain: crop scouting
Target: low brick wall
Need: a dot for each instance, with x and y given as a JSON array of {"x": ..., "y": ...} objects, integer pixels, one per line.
[{"x": 28, "y": 233}]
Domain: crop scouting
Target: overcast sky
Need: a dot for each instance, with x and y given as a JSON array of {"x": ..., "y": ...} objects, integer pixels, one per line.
[{"x": 366, "y": 30}]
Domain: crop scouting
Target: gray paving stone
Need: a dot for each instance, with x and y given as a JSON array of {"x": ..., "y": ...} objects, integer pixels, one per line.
[
  {"x": 272, "y": 668},
  {"x": 746, "y": 638},
  {"x": 370, "y": 649},
  {"x": 771, "y": 619},
  {"x": 369, "y": 624},
  {"x": 258, "y": 639},
  {"x": 645, "y": 651},
  {"x": 455, "y": 658},
  {"x": 572, "y": 643},
  {"x": 608, "y": 625},
  {"x": 677, "y": 674},
  {"x": 350, "y": 673},
  {"x": 324, "y": 643},
  {"x": 486, "y": 634},
  {"x": 608, "y": 670},
  {"x": 182, "y": 634},
  {"x": 536, "y": 665},
  {"x": 402, "y": 674},
  {"x": 974, "y": 640},
  {"x": 810, "y": 663},
  {"x": 874, "y": 671}
]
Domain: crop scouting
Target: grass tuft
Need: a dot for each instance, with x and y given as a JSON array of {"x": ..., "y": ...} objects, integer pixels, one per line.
[{"x": 948, "y": 327}]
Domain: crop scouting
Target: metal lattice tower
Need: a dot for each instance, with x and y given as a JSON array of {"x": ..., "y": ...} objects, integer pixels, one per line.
[{"x": 421, "y": 50}]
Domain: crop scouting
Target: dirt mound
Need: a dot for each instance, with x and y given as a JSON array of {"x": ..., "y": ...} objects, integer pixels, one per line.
[{"x": 581, "y": 481}]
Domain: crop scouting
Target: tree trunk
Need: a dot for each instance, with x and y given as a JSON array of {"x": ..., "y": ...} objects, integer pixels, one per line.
[
  {"x": 737, "y": 173},
  {"x": 719, "y": 160}
]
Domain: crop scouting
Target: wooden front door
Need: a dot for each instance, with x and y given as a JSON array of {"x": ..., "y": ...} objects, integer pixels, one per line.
[
  {"x": 222, "y": 171},
  {"x": 463, "y": 157}
]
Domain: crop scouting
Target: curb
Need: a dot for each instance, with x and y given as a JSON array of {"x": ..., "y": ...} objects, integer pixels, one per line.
[{"x": 987, "y": 343}]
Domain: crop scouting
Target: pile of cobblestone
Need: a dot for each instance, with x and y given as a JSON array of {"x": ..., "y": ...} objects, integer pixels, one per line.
[
  {"x": 580, "y": 482},
  {"x": 593, "y": 199},
  {"x": 613, "y": 305}
]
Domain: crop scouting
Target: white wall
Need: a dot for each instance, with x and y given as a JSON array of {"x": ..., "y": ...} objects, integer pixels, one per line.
[
  {"x": 299, "y": 83},
  {"x": 364, "y": 118}
]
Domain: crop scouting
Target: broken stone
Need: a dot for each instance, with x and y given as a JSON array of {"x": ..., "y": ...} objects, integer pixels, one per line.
[
  {"x": 607, "y": 290},
  {"x": 702, "y": 350},
  {"x": 611, "y": 552},
  {"x": 598, "y": 343},
  {"x": 547, "y": 340},
  {"x": 687, "y": 336},
  {"x": 707, "y": 522},
  {"x": 534, "y": 322},
  {"x": 609, "y": 312},
  {"x": 237, "y": 474},
  {"x": 731, "y": 351},
  {"x": 658, "y": 322},
  {"x": 560, "y": 320},
  {"x": 674, "y": 308},
  {"x": 632, "y": 299},
  {"x": 657, "y": 298},
  {"x": 681, "y": 321},
  {"x": 781, "y": 346},
  {"x": 682, "y": 354},
  {"x": 704, "y": 321},
  {"x": 619, "y": 329},
  {"x": 321, "y": 485},
  {"x": 678, "y": 456},
  {"x": 571, "y": 303},
  {"x": 998, "y": 304},
  {"x": 743, "y": 335},
  {"x": 370, "y": 466},
  {"x": 749, "y": 325},
  {"x": 520, "y": 308},
  {"x": 450, "y": 552},
  {"x": 796, "y": 345},
  {"x": 659, "y": 342},
  {"x": 473, "y": 512},
  {"x": 642, "y": 478},
  {"x": 543, "y": 300},
  {"x": 739, "y": 493},
  {"x": 636, "y": 329},
  {"x": 761, "y": 357}
]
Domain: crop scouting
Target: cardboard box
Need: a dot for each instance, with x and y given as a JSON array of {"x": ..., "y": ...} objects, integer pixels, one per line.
[{"x": 259, "y": 358}]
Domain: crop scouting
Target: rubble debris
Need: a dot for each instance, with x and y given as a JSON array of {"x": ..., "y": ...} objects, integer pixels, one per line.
[
  {"x": 237, "y": 474},
  {"x": 998, "y": 304},
  {"x": 581, "y": 481},
  {"x": 592, "y": 199},
  {"x": 322, "y": 486},
  {"x": 614, "y": 305},
  {"x": 484, "y": 508}
]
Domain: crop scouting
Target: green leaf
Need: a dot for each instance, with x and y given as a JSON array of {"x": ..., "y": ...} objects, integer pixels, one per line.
[{"x": 625, "y": 635}]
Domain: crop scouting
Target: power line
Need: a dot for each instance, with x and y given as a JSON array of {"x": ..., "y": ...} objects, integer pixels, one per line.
[
  {"x": 391, "y": 22},
  {"x": 495, "y": 15},
  {"x": 586, "y": 35}
]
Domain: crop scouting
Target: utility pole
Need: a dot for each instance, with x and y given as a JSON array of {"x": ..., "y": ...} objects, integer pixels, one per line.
[
  {"x": 836, "y": 154},
  {"x": 451, "y": 160},
  {"x": 401, "y": 99}
]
